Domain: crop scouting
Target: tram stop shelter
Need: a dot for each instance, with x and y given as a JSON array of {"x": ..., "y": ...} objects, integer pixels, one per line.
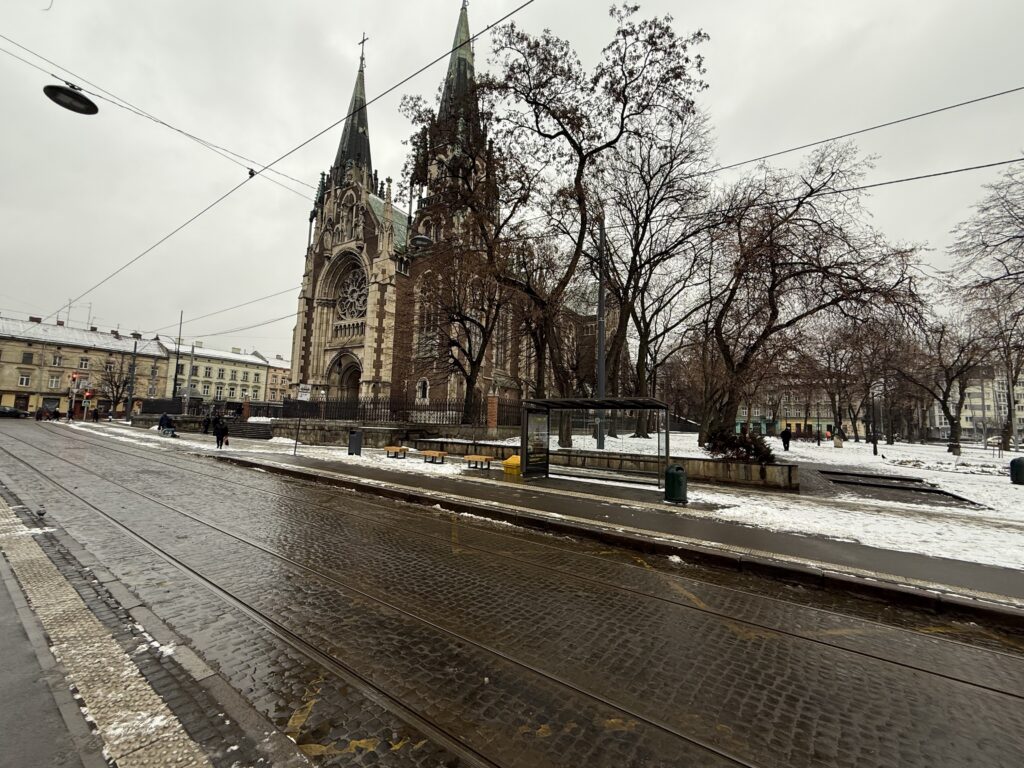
[{"x": 535, "y": 445}]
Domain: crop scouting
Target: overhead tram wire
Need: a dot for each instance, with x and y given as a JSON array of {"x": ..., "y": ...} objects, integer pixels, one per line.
[
  {"x": 859, "y": 131},
  {"x": 783, "y": 200},
  {"x": 245, "y": 327},
  {"x": 118, "y": 101},
  {"x": 227, "y": 309},
  {"x": 295, "y": 149}
]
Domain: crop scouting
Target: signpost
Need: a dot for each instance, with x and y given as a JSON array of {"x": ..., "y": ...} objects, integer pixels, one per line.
[{"x": 305, "y": 392}]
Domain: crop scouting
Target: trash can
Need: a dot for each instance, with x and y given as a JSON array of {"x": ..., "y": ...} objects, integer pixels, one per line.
[
  {"x": 355, "y": 442},
  {"x": 1017, "y": 471},
  {"x": 675, "y": 484},
  {"x": 511, "y": 466}
]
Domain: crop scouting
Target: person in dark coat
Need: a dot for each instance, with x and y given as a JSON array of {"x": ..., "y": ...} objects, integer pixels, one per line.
[
  {"x": 95, "y": 415},
  {"x": 220, "y": 431},
  {"x": 206, "y": 425},
  {"x": 164, "y": 423},
  {"x": 786, "y": 435}
]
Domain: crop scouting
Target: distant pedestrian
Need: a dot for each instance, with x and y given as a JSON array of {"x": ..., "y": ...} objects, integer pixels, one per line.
[
  {"x": 206, "y": 425},
  {"x": 786, "y": 435},
  {"x": 220, "y": 431},
  {"x": 41, "y": 414},
  {"x": 95, "y": 415},
  {"x": 55, "y": 416}
]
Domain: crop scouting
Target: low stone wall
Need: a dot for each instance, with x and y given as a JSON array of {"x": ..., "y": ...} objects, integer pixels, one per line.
[{"x": 784, "y": 477}]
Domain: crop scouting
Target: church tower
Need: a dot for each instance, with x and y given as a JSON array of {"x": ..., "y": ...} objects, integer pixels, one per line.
[{"x": 341, "y": 341}]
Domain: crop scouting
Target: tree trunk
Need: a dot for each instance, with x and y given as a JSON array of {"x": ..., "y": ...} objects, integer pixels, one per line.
[
  {"x": 642, "y": 389},
  {"x": 565, "y": 429},
  {"x": 469, "y": 403}
]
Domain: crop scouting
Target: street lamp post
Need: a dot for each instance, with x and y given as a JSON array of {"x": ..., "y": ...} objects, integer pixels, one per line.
[
  {"x": 817, "y": 419},
  {"x": 874, "y": 433},
  {"x": 600, "y": 334}
]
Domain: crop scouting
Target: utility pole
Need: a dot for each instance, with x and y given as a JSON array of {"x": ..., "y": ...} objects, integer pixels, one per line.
[
  {"x": 600, "y": 333},
  {"x": 177, "y": 356}
]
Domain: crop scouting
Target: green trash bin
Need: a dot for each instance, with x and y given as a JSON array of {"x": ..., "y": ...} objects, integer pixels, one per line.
[
  {"x": 675, "y": 484},
  {"x": 1017, "y": 471}
]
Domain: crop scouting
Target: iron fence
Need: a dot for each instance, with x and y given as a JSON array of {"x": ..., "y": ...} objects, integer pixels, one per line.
[
  {"x": 386, "y": 409},
  {"x": 510, "y": 412}
]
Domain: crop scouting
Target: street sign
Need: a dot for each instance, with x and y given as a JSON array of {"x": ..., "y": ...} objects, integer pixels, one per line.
[{"x": 305, "y": 391}]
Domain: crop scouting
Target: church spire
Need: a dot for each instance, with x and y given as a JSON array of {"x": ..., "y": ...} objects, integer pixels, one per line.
[
  {"x": 457, "y": 99},
  {"x": 354, "y": 148}
]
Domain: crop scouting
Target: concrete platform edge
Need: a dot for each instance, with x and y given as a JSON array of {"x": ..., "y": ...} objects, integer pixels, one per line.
[{"x": 932, "y": 597}]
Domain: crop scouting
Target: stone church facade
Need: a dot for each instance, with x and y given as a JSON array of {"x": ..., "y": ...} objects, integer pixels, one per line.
[{"x": 360, "y": 328}]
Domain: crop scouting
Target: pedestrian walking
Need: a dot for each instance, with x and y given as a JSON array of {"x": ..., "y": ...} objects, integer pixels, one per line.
[
  {"x": 206, "y": 425},
  {"x": 95, "y": 415},
  {"x": 220, "y": 431},
  {"x": 786, "y": 435}
]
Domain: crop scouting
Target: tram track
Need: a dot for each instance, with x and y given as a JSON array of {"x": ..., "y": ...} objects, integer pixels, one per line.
[
  {"x": 318, "y": 654},
  {"x": 684, "y": 598},
  {"x": 451, "y": 741}
]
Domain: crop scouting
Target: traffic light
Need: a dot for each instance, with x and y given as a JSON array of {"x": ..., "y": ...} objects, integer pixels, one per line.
[
  {"x": 74, "y": 376},
  {"x": 88, "y": 394}
]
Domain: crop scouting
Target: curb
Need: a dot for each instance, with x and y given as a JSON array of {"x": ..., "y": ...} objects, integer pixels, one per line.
[{"x": 929, "y": 597}]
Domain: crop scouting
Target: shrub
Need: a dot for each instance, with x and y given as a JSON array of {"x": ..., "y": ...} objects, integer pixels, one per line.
[{"x": 746, "y": 447}]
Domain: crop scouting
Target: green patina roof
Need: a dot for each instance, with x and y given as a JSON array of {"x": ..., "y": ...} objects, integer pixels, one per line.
[{"x": 400, "y": 220}]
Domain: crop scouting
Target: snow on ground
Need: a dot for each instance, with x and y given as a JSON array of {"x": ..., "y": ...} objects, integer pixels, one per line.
[{"x": 991, "y": 534}]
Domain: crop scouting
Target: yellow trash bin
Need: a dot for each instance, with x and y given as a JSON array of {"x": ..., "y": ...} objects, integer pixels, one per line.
[{"x": 511, "y": 466}]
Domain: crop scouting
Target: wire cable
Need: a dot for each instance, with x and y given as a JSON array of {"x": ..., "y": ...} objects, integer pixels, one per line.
[
  {"x": 127, "y": 105},
  {"x": 859, "y": 131},
  {"x": 227, "y": 309},
  {"x": 295, "y": 149},
  {"x": 244, "y": 328}
]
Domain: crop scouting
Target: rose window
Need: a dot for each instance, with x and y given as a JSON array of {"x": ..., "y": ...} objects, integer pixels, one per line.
[{"x": 352, "y": 296}]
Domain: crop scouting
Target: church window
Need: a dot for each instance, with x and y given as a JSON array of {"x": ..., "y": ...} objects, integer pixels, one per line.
[
  {"x": 352, "y": 294},
  {"x": 422, "y": 389}
]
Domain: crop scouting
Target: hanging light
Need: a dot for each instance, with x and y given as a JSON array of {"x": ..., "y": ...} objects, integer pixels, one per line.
[{"x": 71, "y": 98}]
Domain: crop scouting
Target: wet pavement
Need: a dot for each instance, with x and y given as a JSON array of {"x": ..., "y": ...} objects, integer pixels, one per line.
[{"x": 375, "y": 632}]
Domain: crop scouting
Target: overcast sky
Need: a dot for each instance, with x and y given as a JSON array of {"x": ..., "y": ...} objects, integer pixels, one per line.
[{"x": 80, "y": 196}]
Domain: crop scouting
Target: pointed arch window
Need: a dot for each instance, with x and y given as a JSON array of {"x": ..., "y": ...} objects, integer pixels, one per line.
[{"x": 353, "y": 292}]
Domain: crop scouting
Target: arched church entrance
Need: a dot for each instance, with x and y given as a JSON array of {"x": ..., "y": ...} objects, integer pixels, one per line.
[{"x": 344, "y": 377}]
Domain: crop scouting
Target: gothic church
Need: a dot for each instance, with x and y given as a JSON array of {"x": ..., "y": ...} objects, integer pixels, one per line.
[{"x": 360, "y": 327}]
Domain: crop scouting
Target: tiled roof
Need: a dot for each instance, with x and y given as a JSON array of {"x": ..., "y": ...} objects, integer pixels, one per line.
[
  {"x": 400, "y": 219},
  {"x": 63, "y": 335}
]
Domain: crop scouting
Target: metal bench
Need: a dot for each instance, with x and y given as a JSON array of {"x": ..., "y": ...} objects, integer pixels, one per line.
[
  {"x": 396, "y": 451},
  {"x": 479, "y": 462},
  {"x": 433, "y": 456}
]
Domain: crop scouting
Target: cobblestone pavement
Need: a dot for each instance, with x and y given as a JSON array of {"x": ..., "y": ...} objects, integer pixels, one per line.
[{"x": 377, "y": 633}]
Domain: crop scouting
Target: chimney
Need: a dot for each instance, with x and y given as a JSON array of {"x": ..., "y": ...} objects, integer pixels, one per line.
[
  {"x": 60, "y": 322},
  {"x": 93, "y": 328},
  {"x": 32, "y": 319},
  {"x": 136, "y": 335},
  {"x": 116, "y": 334},
  {"x": 278, "y": 357}
]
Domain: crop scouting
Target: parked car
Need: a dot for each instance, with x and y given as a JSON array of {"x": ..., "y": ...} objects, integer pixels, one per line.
[{"x": 7, "y": 411}]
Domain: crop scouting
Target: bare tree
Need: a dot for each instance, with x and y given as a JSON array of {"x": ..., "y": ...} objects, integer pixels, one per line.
[
  {"x": 565, "y": 119},
  {"x": 989, "y": 246},
  {"x": 1001, "y": 318},
  {"x": 951, "y": 354},
  {"x": 789, "y": 249}
]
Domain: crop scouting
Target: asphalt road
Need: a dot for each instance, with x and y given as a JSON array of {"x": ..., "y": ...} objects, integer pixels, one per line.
[{"x": 378, "y": 633}]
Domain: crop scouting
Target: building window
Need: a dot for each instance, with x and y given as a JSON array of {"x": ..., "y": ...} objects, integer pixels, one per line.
[
  {"x": 57, "y": 359},
  {"x": 24, "y": 379},
  {"x": 109, "y": 367},
  {"x": 26, "y": 358},
  {"x": 208, "y": 372},
  {"x": 256, "y": 378},
  {"x": 179, "y": 369},
  {"x": 195, "y": 370},
  {"x": 206, "y": 390},
  {"x": 152, "y": 390},
  {"x": 220, "y": 373},
  {"x": 422, "y": 389},
  {"x": 83, "y": 363},
  {"x": 244, "y": 392},
  {"x": 255, "y": 393},
  {"x": 231, "y": 393},
  {"x": 54, "y": 382},
  {"x": 234, "y": 375},
  {"x": 220, "y": 392},
  {"x": 245, "y": 375}
]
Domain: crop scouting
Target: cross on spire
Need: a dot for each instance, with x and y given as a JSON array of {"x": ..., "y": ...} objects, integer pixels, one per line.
[{"x": 362, "y": 50}]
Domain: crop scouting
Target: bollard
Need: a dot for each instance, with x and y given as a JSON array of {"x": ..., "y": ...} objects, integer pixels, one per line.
[{"x": 675, "y": 484}]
